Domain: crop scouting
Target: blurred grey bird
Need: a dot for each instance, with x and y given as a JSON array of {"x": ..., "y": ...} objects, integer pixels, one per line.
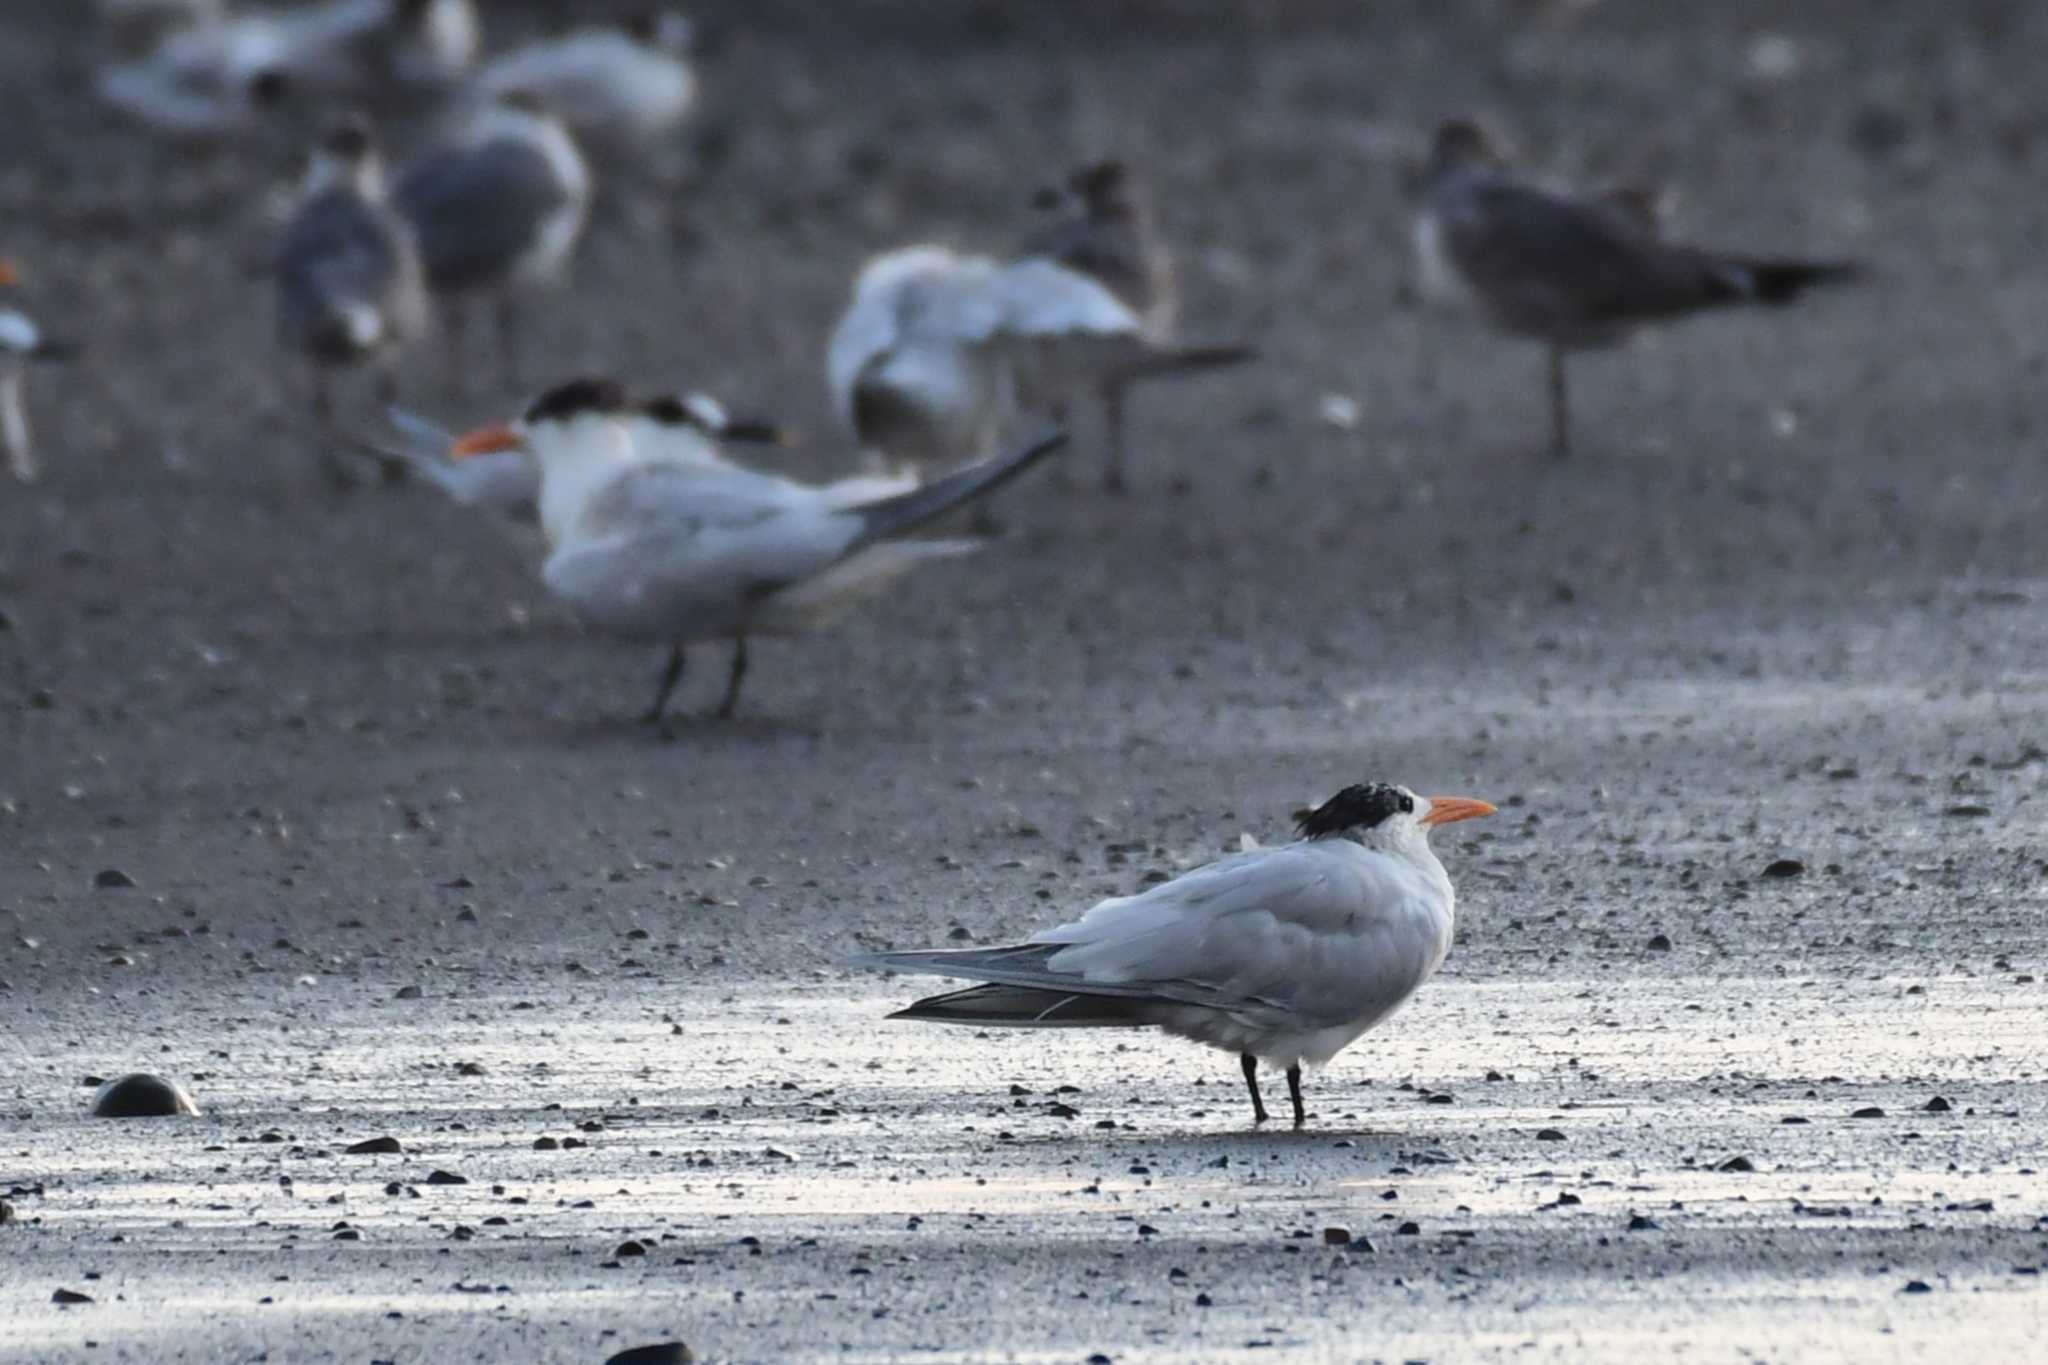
[
  {"x": 498, "y": 208},
  {"x": 617, "y": 87},
  {"x": 1283, "y": 955},
  {"x": 21, "y": 344},
  {"x": 698, "y": 550},
  {"x": 1100, "y": 224},
  {"x": 350, "y": 287},
  {"x": 1574, "y": 272}
]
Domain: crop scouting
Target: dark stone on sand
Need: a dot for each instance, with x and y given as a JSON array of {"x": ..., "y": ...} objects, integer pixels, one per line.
[
  {"x": 1640, "y": 1223},
  {"x": 1549, "y": 1135},
  {"x": 1868, "y": 1111},
  {"x": 407, "y": 993},
  {"x": 68, "y": 1296},
  {"x": 112, "y": 879},
  {"x": 1737, "y": 1164},
  {"x": 446, "y": 1178},
  {"x": 1785, "y": 867},
  {"x": 629, "y": 1249},
  {"x": 546, "y": 1144},
  {"x": 1336, "y": 1237},
  {"x": 1408, "y": 1230},
  {"x": 376, "y": 1146},
  {"x": 142, "y": 1096},
  {"x": 6, "y": 1213},
  {"x": 1917, "y": 1287},
  {"x": 661, "y": 1353},
  {"x": 1937, "y": 1105},
  {"x": 1659, "y": 943},
  {"x": 1968, "y": 809}
]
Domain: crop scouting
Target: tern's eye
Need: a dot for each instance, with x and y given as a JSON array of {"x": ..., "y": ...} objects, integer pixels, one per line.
[{"x": 1407, "y": 805}]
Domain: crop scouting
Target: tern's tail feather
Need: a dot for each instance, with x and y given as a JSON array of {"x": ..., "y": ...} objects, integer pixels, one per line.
[
  {"x": 1028, "y": 1007},
  {"x": 906, "y": 512},
  {"x": 1780, "y": 282}
]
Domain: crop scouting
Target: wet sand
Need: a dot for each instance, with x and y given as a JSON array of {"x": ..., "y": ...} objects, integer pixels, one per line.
[{"x": 1787, "y": 605}]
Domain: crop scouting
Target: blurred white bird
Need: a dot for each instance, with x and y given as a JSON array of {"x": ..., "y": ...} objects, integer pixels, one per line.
[
  {"x": 1283, "y": 955},
  {"x": 937, "y": 350},
  {"x": 215, "y": 72},
  {"x": 617, "y": 87},
  {"x": 686, "y": 553},
  {"x": 498, "y": 208},
  {"x": 350, "y": 287},
  {"x": 21, "y": 343}
]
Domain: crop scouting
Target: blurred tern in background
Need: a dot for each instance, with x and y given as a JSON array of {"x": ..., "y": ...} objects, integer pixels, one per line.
[
  {"x": 498, "y": 209},
  {"x": 1100, "y": 224},
  {"x": 350, "y": 287},
  {"x": 1575, "y": 273},
  {"x": 617, "y": 87},
  {"x": 936, "y": 349},
  {"x": 21, "y": 344},
  {"x": 1283, "y": 955},
  {"x": 686, "y": 553},
  {"x": 684, "y": 429}
]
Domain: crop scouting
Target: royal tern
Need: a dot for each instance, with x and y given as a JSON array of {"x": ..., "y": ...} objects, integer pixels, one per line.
[
  {"x": 619, "y": 87},
  {"x": 1283, "y": 955},
  {"x": 498, "y": 209},
  {"x": 1574, "y": 272},
  {"x": 21, "y": 343},
  {"x": 680, "y": 429},
  {"x": 1100, "y": 223},
  {"x": 683, "y": 553},
  {"x": 350, "y": 287}
]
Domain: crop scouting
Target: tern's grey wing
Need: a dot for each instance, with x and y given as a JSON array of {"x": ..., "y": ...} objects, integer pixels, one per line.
[
  {"x": 1568, "y": 270},
  {"x": 342, "y": 273},
  {"x": 478, "y": 210}
]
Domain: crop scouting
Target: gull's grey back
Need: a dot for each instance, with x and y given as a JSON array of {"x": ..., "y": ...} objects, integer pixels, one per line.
[{"x": 479, "y": 210}]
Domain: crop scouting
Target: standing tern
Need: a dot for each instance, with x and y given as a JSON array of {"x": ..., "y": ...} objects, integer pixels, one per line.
[
  {"x": 21, "y": 343},
  {"x": 1100, "y": 224},
  {"x": 1283, "y": 955},
  {"x": 498, "y": 209},
  {"x": 1576, "y": 273},
  {"x": 682, "y": 553},
  {"x": 350, "y": 286}
]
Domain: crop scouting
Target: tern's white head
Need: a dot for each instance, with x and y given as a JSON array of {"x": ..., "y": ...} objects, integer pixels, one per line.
[
  {"x": 1388, "y": 818},
  {"x": 574, "y": 422}
]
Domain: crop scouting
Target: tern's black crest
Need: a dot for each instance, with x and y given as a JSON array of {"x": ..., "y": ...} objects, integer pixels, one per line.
[
  {"x": 564, "y": 401},
  {"x": 1359, "y": 807},
  {"x": 670, "y": 411}
]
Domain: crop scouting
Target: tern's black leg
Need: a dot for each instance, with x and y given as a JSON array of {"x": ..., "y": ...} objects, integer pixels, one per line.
[
  {"x": 1251, "y": 1080},
  {"x": 508, "y": 342},
  {"x": 1113, "y": 423},
  {"x": 1560, "y": 407},
  {"x": 338, "y": 472},
  {"x": 1294, "y": 1093},
  {"x": 671, "y": 674},
  {"x": 739, "y": 672}
]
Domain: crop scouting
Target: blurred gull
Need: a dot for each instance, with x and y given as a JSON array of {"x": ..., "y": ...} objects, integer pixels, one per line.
[
  {"x": 619, "y": 86},
  {"x": 1575, "y": 273},
  {"x": 498, "y": 209},
  {"x": 681, "y": 553},
  {"x": 21, "y": 343},
  {"x": 1283, "y": 955},
  {"x": 936, "y": 349},
  {"x": 350, "y": 288},
  {"x": 1100, "y": 224}
]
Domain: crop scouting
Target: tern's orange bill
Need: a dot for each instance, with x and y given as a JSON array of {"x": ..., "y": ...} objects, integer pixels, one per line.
[
  {"x": 1448, "y": 810},
  {"x": 8, "y": 274},
  {"x": 485, "y": 440}
]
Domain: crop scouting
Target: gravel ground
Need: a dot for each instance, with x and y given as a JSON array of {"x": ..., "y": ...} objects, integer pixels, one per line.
[{"x": 1785, "y": 605}]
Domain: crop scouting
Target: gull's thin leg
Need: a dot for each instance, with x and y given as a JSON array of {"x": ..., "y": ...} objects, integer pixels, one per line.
[
  {"x": 1560, "y": 407},
  {"x": 671, "y": 674},
  {"x": 1294, "y": 1093},
  {"x": 1251, "y": 1080},
  {"x": 454, "y": 326},
  {"x": 1113, "y": 424},
  {"x": 739, "y": 672},
  {"x": 338, "y": 471},
  {"x": 508, "y": 342},
  {"x": 14, "y": 433}
]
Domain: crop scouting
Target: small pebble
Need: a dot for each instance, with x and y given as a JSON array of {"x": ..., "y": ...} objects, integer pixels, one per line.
[
  {"x": 112, "y": 879},
  {"x": 73, "y": 1296},
  {"x": 661, "y": 1353},
  {"x": 142, "y": 1096},
  {"x": 376, "y": 1146},
  {"x": 439, "y": 1177},
  {"x": 1785, "y": 867}
]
